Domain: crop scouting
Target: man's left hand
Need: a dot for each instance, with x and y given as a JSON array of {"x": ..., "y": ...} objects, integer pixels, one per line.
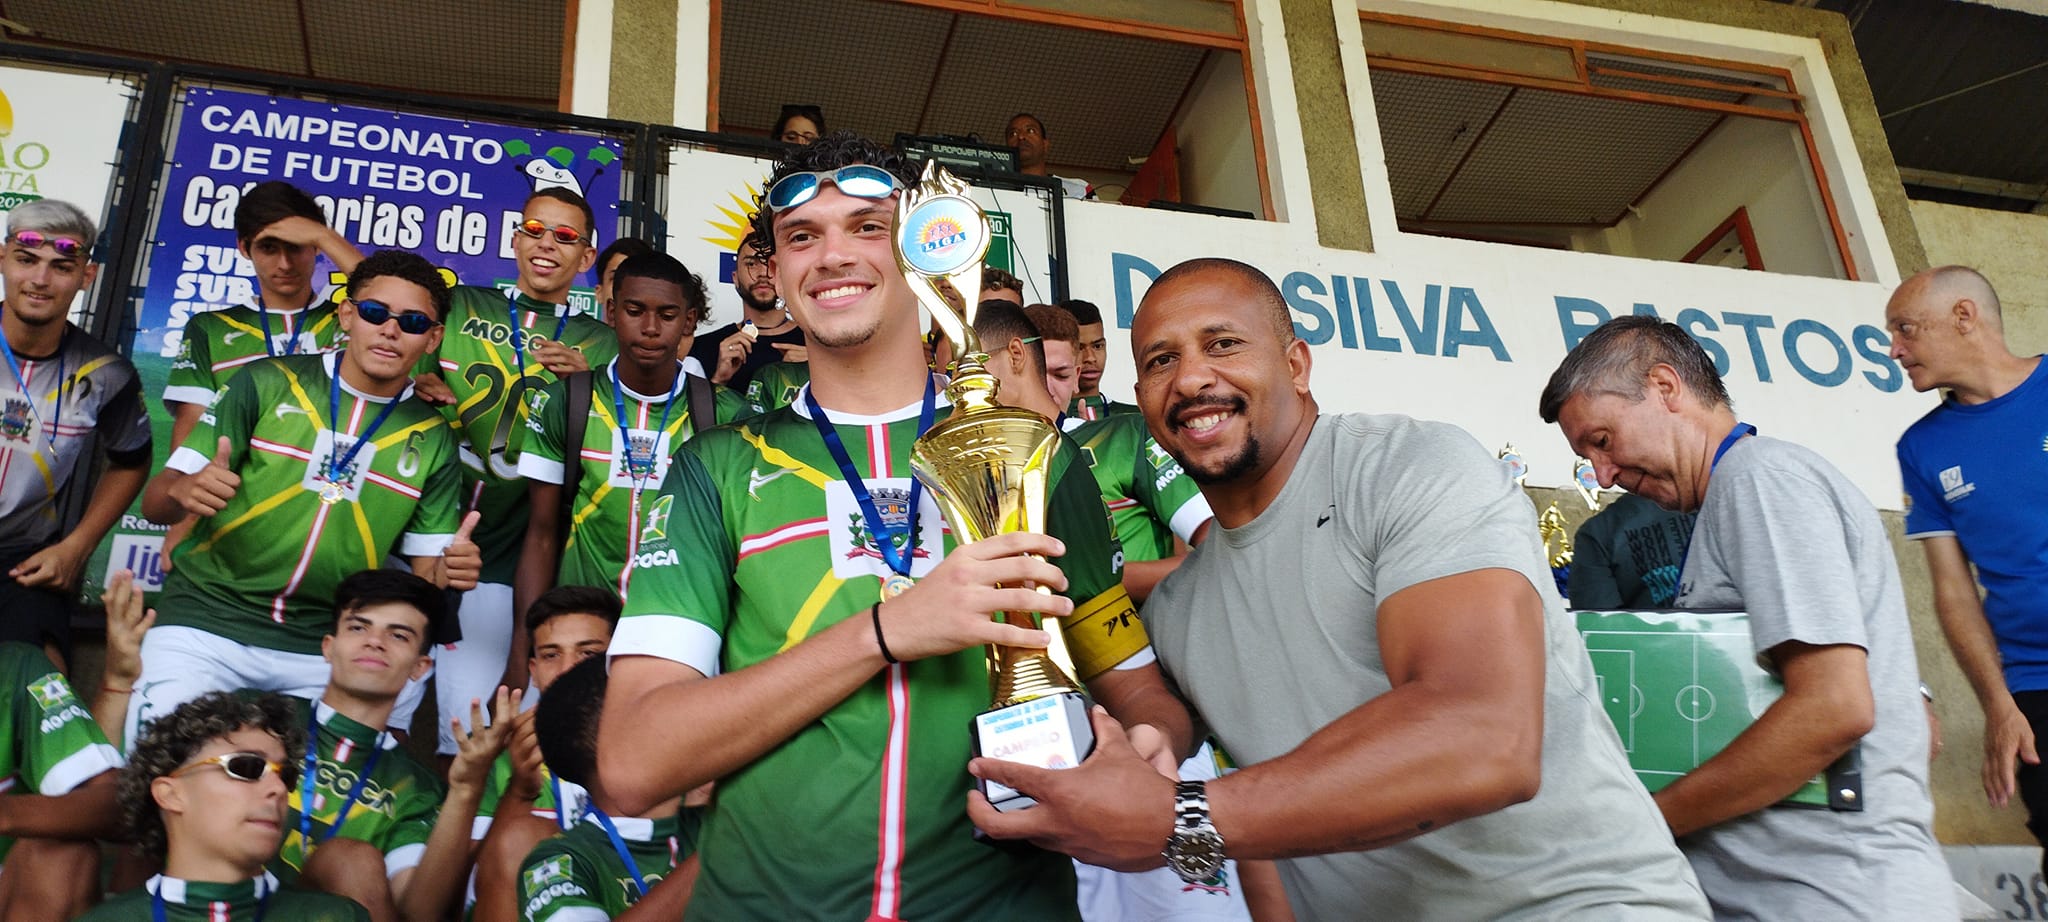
[
  {"x": 463, "y": 562},
  {"x": 1114, "y": 810},
  {"x": 479, "y": 746},
  {"x": 560, "y": 359},
  {"x": 54, "y": 567}
]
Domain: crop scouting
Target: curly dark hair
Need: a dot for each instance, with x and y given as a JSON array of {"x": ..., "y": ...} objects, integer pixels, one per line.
[
  {"x": 838, "y": 149},
  {"x": 403, "y": 265},
  {"x": 167, "y": 743}
]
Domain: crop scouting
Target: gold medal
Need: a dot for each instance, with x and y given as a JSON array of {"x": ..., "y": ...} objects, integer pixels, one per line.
[
  {"x": 896, "y": 584},
  {"x": 332, "y": 493}
]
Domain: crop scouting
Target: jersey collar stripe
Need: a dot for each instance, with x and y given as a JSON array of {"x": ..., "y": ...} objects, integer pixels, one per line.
[
  {"x": 878, "y": 453},
  {"x": 305, "y": 561},
  {"x": 888, "y": 899},
  {"x": 632, "y": 541},
  {"x": 279, "y": 448},
  {"x": 809, "y": 528}
]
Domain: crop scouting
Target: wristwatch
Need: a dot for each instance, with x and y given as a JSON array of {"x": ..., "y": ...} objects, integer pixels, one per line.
[{"x": 1195, "y": 849}]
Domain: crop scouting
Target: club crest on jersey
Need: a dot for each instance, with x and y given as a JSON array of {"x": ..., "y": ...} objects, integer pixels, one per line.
[
  {"x": 15, "y": 421},
  {"x": 50, "y": 691},
  {"x": 547, "y": 872},
  {"x": 856, "y": 548},
  {"x": 327, "y": 449}
]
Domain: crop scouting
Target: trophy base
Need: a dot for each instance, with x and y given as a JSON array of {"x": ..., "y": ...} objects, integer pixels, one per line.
[{"x": 1048, "y": 732}]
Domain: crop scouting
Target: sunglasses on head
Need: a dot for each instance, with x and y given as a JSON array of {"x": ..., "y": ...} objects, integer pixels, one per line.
[
  {"x": 245, "y": 766},
  {"x": 858, "y": 179},
  {"x": 564, "y": 234},
  {"x": 65, "y": 246},
  {"x": 375, "y": 313}
]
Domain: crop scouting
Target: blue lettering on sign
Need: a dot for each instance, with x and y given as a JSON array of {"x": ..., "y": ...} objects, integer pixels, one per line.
[
  {"x": 1803, "y": 327},
  {"x": 1121, "y": 265},
  {"x": 1291, "y": 289},
  {"x": 1463, "y": 304},
  {"x": 1577, "y": 317},
  {"x": 1751, "y": 324},
  {"x": 1692, "y": 320},
  {"x": 1368, "y": 323},
  {"x": 1876, "y": 348}
]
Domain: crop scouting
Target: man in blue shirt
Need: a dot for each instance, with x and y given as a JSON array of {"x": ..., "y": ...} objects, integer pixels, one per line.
[{"x": 1976, "y": 476}]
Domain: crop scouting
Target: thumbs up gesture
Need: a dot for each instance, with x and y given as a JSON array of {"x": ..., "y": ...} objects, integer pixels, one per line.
[
  {"x": 208, "y": 491},
  {"x": 463, "y": 562}
]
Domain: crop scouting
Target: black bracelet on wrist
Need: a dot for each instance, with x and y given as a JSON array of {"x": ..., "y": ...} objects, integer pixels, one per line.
[{"x": 876, "y": 614}]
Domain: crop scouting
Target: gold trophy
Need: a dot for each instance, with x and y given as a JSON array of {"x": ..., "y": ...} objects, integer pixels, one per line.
[
  {"x": 1551, "y": 525},
  {"x": 990, "y": 468}
]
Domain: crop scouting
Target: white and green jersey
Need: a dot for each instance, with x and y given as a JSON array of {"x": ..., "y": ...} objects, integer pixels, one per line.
[
  {"x": 602, "y": 543},
  {"x": 1151, "y": 501},
  {"x": 754, "y": 543},
  {"x": 560, "y": 802},
  {"x": 48, "y": 741},
  {"x": 775, "y": 386},
  {"x": 490, "y": 370},
  {"x": 397, "y": 807},
  {"x": 579, "y": 877},
  {"x": 262, "y": 571},
  {"x": 49, "y": 417},
  {"x": 246, "y": 901},
  {"x": 216, "y": 343}
]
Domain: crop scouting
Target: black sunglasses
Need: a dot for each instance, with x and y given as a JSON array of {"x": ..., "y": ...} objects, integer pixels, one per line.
[
  {"x": 246, "y": 766},
  {"x": 375, "y": 313}
]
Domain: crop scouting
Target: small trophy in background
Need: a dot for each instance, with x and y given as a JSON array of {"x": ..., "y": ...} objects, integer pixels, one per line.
[
  {"x": 990, "y": 467},
  {"x": 1551, "y": 527},
  {"x": 1518, "y": 469},
  {"x": 1588, "y": 482}
]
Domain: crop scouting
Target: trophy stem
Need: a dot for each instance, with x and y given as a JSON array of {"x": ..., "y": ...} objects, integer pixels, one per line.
[{"x": 1020, "y": 674}]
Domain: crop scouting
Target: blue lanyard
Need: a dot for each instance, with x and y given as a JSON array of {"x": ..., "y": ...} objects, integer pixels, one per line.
[
  {"x": 611, "y": 831},
  {"x": 337, "y": 468},
  {"x": 157, "y": 911},
  {"x": 636, "y": 466},
  {"x": 1734, "y": 435},
  {"x": 898, "y": 559},
  {"x": 519, "y": 336},
  {"x": 561, "y": 806},
  {"x": 291, "y": 347},
  {"x": 28, "y": 392},
  {"x": 306, "y": 793}
]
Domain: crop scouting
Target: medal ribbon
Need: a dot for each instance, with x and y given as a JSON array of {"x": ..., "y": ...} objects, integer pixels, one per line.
[
  {"x": 335, "y": 469},
  {"x": 28, "y": 393},
  {"x": 633, "y": 460},
  {"x": 1734, "y": 435},
  {"x": 519, "y": 336},
  {"x": 611, "y": 831},
  {"x": 306, "y": 792},
  {"x": 157, "y": 911},
  {"x": 898, "y": 560},
  {"x": 561, "y": 806},
  {"x": 291, "y": 347}
]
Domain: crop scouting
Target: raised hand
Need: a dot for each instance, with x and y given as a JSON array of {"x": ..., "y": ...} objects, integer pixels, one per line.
[
  {"x": 127, "y": 621},
  {"x": 208, "y": 491},
  {"x": 463, "y": 562},
  {"x": 479, "y": 746}
]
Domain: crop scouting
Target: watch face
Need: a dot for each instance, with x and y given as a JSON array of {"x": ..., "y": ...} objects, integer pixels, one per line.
[{"x": 1195, "y": 854}]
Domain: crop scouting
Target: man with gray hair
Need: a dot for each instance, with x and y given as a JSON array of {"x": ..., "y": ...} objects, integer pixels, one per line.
[
  {"x": 59, "y": 388},
  {"x": 1783, "y": 535},
  {"x": 1976, "y": 476}
]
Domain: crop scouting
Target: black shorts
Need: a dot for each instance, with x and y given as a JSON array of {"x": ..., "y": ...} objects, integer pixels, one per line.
[{"x": 33, "y": 615}]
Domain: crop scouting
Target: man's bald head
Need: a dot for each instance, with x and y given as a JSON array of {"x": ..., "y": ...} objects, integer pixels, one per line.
[
  {"x": 1947, "y": 328},
  {"x": 1260, "y": 290},
  {"x": 1943, "y": 286}
]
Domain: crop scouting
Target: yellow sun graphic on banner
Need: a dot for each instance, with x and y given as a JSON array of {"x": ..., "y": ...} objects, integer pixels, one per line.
[
  {"x": 733, "y": 231},
  {"x": 6, "y": 116}
]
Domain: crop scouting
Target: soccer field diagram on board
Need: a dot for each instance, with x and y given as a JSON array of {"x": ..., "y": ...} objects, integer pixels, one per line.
[{"x": 1679, "y": 686}]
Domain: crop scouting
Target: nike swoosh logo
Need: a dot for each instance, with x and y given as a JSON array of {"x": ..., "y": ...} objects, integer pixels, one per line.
[
  {"x": 1327, "y": 513},
  {"x": 232, "y": 336},
  {"x": 755, "y": 479},
  {"x": 284, "y": 408}
]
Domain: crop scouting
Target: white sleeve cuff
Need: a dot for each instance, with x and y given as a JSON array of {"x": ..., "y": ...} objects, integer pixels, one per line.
[
  {"x": 403, "y": 858},
  {"x": 1936, "y": 533},
  {"x": 479, "y": 827},
  {"x": 1190, "y": 516},
  {"x": 187, "y": 461},
  {"x": 575, "y": 914},
  {"x": 414, "y": 544},
  {"x": 545, "y": 470},
  {"x": 671, "y": 637},
  {"x": 1139, "y": 660},
  {"x": 80, "y": 767},
  {"x": 187, "y": 393}
]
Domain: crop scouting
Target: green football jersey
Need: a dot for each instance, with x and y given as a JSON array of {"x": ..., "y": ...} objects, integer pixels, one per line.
[
  {"x": 262, "y": 571},
  {"x": 568, "y": 876},
  {"x": 491, "y": 371},
  {"x": 756, "y": 543},
  {"x": 48, "y": 741},
  {"x": 547, "y": 806},
  {"x": 1098, "y": 407},
  {"x": 602, "y": 542},
  {"x": 1150, "y": 500},
  {"x": 216, "y": 343},
  {"x": 776, "y": 385},
  {"x": 201, "y": 901},
  {"x": 395, "y": 813}
]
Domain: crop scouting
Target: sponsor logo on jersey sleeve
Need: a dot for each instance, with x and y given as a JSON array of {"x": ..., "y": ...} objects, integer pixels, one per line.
[
  {"x": 548, "y": 872},
  {"x": 655, "y": 527},
  {"x": 1953, "y": 487}
]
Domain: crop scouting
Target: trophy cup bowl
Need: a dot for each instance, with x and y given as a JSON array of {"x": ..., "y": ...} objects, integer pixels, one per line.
[{"x": 990, "y": 468}]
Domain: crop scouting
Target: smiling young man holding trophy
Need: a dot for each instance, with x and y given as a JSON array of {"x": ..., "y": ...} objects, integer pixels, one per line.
[{"x": 801, "y": 623}]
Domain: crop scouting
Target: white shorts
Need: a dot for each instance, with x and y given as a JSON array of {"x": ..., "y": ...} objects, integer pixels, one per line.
[
  {"x": 182, "y": 663},
  {"x": 472, "y": 668},
  {"x": 1159, "y": 895}
]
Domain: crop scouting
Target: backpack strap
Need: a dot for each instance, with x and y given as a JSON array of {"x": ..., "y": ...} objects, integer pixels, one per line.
[
  {"x": 577, "y": 422},
  {"x": 703, "y": 403}
]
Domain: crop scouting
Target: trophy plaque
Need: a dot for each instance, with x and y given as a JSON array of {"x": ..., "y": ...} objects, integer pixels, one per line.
[{"x": 990, "y": 468}]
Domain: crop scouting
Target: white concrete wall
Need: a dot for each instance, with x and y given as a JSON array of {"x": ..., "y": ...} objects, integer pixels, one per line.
[
  {"x": 2009, "y": 248},
  {"x": 1214, "y": 133},
  {"x": 1743, "y": 162}
]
